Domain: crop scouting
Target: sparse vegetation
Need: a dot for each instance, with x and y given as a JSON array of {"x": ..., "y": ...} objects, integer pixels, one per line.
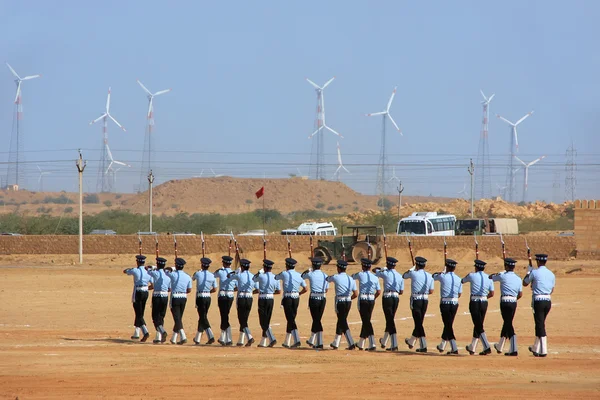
[
  {"x": 319, "y": 205},
  {"x": 330, "y": 208},
  {"x": 68, "y": 210},
  {"x": 340, "y": 206},
  {"x": 118, "y": 196},
  {"x": 91, "y": 198},
  {"x": 249, "y": 201},
  {"x": 107, "y": 203},
  {"x": 174, "y": 205},
  {"x": 386, "y": 204},
  {"x": 62, "y": 199},
  {"x": 44, "y": 210}
]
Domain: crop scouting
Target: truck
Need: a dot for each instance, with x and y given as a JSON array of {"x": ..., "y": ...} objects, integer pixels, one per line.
[
  {"x": 365, "y": 241},
  {"x": 487, "y": 226}
]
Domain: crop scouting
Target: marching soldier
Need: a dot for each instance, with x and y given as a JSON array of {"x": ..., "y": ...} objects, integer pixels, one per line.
[
  {"x": 511, "y": 289},
  {"x": 450, "y": 291},
  {"x": 245, "y": 286},
  {"x": 141, "y": 279},
  {"x": 393, "y": 287},
  {"x": 181, "y": 285},
  {"x": 316, "y": 303},
  {"x": 205, "y": 285},
  {"x": 267, "y": 287},
  {"x": 482, "y": 289},
  {"x": 369, "y": 290},
  {"x": 160, "y": 298},
  {"x": 421, "y": 286},
  {"x": 345, "y": 292},
  {"x": 225, "y": 299},
  {"x": 542, "y": 286},
  {"x": 292, "y": 281}
]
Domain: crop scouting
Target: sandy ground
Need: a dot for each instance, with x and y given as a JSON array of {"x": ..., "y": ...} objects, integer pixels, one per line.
[{"x": 64, "y": 333}]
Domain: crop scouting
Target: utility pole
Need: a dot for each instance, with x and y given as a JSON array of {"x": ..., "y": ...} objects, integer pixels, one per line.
[
  {"x": 400, "y": 189},
  {"x": 80, "y": 167},
  {"x": 471, "y": 170},
  {"x": 150, "y": 182},
  {"x": 570, "y": 173}
]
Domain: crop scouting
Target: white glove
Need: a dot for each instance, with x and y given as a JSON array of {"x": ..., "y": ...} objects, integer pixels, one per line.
[
  {"x": 384, "y": 268},
  {"x": 239, "y": 270},
  {"x": 413, "y": 268},
  {"x": 310, "y": 269},
  {"x": 529, "y": 268},
  {"x": 261, "y": 271}
]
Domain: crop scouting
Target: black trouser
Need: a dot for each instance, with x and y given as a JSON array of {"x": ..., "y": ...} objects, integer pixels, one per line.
[
  {"x": 390, "y": 306},
  {"x": 290, "y": 309},
  {"x": 478, "y": 309},
  {"x": 265, "y": 311},
  {"x": 203, "y": 304},
  {"x": 317, "y": 308},
  {"x": 540, "y": 312},
  {"x": 139, "y": 305},
  {"x": 177, "y": 309},
  {"x": 343, "y": 309},
  {"x": 419, "y": 308},
  {"x": 365, "y": 309},
  {"x": 224, "y": 304},
  {"x": 448, "y": 312},
  {"x": 508, "y": 309},
  {"x": 244, "y": 306},
  {"x": 159, "y": 310}
]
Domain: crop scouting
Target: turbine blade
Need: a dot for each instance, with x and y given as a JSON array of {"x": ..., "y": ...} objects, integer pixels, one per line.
[
  {"x": 162, "y": 92},
  {"x": 336, "y": 171},
  {"x": 536, "y": 161},
  {"x": 13, "y": 71},
  {"x": 332, "y": 131},
  {"x": 394, "y": 122},
  {"x": 18, "y": 92},
  {"x": 99, "y": 118},
  {"x": 377, "y": 113},
  {"x": 344, "y": 168},
  {"x": 122, "y": 163},
  {"x": 483, "y": 95},
  {"x": 516, "y": 137},
  {"x": 504, "y": 119},
  {"x": 110, "y": 156},
  {"x": 30, "y": 77},
  {"x": 116, "y": 122},
  {"x": 491, "y": 97},
  {"x": 109, "y": 166},
  {"x": 523, "y": 119},
  {"x": 144, "y": 87},
  {"x": 150, "y": 106},
  {"x": 328, "y": 82},
  {"x": 389, "y": 104},
  {"x": 108, "y": 101},
  {"x": 315, "y": 132},
  {"x": 339, "y": 154},
  {"x": 38, "y": 167},
  {"x": 521, "y": 161},
  {"x": 314, "y": 84}
]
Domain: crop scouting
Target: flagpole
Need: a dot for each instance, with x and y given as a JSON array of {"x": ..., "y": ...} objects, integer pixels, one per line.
[{"x": 264, "y": 215}]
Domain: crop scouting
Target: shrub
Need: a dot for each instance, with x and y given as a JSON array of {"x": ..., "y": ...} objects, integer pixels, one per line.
[
  {"x": 91, "y": 198},
  {"x": 68, "y": 210},
  {"x": 174, "y": 205},
  {"x": 62, "y": 199},
  {"x": 386, "y": 204},
  {"x": 249, "y": 201},
  {"x": 118, "y": 196},
  {"x": 339, "y": 206},
  {"x": 107, "y": 203},
  {"x": 319, "y": 205},
  {"x": 330, "y": 208}
]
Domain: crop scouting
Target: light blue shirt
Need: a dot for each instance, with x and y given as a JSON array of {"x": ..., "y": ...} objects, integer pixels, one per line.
[
  {"x": 510, "y": 283},
  {"x": 291, "y": 280},
  {"x": 244, "y": 281},
  {"x": 542, "y": 280},
  {"x": 160, "y": 280},
  {"x": 205, "y": 281},
  {"x": 267, "y": 284},
  {"x": 481, "y": 284},
  {"x": 392, "y": 280},
  {"x": 450, "y": 284},
  {"x": 318, "y": 281},
  {"x": 140, "y": 276},
  {"x": 344, "y": 284},
  {"x": 421, "y": 281},
  {"x": 224, "y": 283},
  {"x": 180, "y": 282},
  {"x": 367, "y": 282}
]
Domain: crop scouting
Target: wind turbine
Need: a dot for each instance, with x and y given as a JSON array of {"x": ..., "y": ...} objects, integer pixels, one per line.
[
  {"x": 148, "y": 155},
  {"x": 16, "y": 148},
  {"x": 501, "y": 190},
  {"x": 213, "y": 172},
  {"x": 41, "y": 178},
  {"x": 340, "y": 165},
  {"x": 104, "y": 184},
  {"x": 463, "y": 192},
  {"x": 321, "y": 124},
  {"x": 484, "y": 182},
  {"x": 383, "y": 156},
  {"x": 526, "y": 173},
  {"x": 514, "y": 147},
  {"x": 394, "y": 177}
]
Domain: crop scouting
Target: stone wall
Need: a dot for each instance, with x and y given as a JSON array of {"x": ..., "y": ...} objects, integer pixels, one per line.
[{"x": 587, "y": 228}]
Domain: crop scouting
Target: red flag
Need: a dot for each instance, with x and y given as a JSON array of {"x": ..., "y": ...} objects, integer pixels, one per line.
[{"x": 260, "y": 192}]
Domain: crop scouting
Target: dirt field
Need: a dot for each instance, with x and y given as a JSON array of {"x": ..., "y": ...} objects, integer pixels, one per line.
[{"x": 64, "y": 333}]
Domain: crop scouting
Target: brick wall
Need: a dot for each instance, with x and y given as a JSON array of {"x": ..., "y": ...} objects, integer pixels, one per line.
[{"x": 587, "y": 228}]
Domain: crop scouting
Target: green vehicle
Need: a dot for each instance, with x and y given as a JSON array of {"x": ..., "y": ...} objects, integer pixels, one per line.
[
  {"x": 365, "y": 241},
  {"x": 470, "y": 227}
]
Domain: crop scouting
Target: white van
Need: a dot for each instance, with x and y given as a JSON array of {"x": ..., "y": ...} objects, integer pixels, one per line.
[{"x": 317, "y": 229}]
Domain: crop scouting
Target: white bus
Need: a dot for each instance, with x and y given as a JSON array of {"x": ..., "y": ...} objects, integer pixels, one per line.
[
  {"x": 427, "y": 224},
  {"x": 313, "y": 228}
]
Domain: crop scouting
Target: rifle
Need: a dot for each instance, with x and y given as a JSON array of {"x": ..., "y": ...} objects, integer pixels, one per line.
[
  {"x": 175, "y": 245},
  {"x": 412, "y": 257},
  {"x": 264, "y": 248},
  {"x": 503, "y": 247},
  {"x": 237, "y": 251},
  {"x": 140, "y": 243},
  {"x": 528, "y": 257},
  {"x": 203, "y": 246},
  {"x": 156, "y": 245},
  {"x": 445, "y": 253},
  {"x": 384, "y": 241},
  {"x": 312, "y": 254},
  {"x": 476, "y": 248},
  {"x": 368, "y": 247},
  {"x": 289, "y": 245},
  {"x": 230, "y": 241},
  {"x": 343, "y": 248}
]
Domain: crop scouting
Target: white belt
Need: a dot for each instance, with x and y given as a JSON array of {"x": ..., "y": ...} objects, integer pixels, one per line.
[
  {"x": 141, "y": 288},
  {"x": 343, "y": 298},
  {"x": 479, "y": 298},
  {"x": 449, "y": 300},
  {"x": 226, "y": 293},
  {"x": 367, "y": 297},
  {"x": 160, "y": 293},
  {"x": 266, "y": 296},
  {"x": 317, "y": 295},
  {"x": 387, "y": 295},
  {"x": 202, "y": 294},
  {"x": 541, "y": 297},
  {"x": 179, "y": 295},
  {"x": 246, "y": 295},
  {"x": 291, "y": 295},
  {"x": 508, "y": 299},
  {"x": 420, "y": 296}
]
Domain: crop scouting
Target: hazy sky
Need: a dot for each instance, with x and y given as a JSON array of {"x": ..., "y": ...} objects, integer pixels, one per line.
[{"x": 241, "y": 106}]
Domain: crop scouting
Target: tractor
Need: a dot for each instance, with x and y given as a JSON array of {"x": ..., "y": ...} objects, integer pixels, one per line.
[{"x": 365, "y": 242}]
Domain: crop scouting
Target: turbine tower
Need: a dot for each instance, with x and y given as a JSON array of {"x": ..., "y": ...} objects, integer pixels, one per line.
[
  {"x": 483, "y": 178},
  {"x": 338, "y": 171},
  {"x": 105, "y": 183},
  {"x": 526, "y": 173},
  {"x": 148, "y": 155},
  {"x": 41, "y": 178},
  {"x": 15, "y": 173},
  {"x": 514, "y": 148},
  {"x": 110, "y": 171},
  {"x": 320, "y": 124},
  {"x": 381, "y": 182}
]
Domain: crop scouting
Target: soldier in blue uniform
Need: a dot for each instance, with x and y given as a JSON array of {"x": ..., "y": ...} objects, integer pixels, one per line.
[
  {"x": 181, "y": 285},
  {"x": 542, "y": 282},
  {"x": 205, "y": 285},
  {"x": 316, "y": 303},
  {"x": 511, "y": 289},
  {"x": 450, "y": 291},
  {"x": 160, "y": 298},
  {"x": 141, "y": 279},
  {"x": 268, "y": 286},
  {"x": 345, "y": 292},
  {"x": 421, "y": 286},
  {"x": 225, "y": 299},
  {"x": 246, "y": 286},
  {"x": 482, "y": 289},
  {"x": 291, "y": 283},
  {"x": 369, "y": 289},
  {"x": 393, "y": 287}
]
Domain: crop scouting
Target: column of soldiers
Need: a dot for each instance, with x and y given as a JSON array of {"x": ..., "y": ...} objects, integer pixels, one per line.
[{"x": 171, "y": 287}]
